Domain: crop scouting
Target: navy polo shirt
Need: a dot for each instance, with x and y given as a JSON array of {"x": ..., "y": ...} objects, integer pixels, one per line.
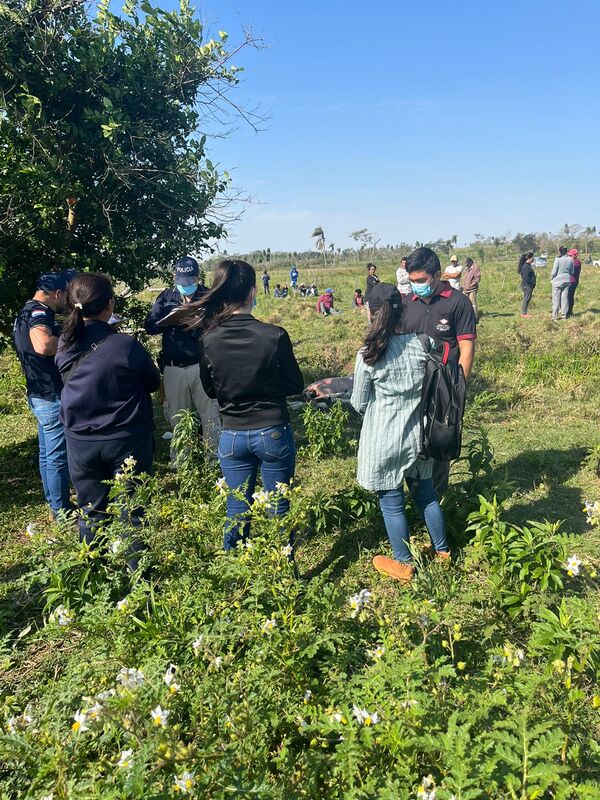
[
  {"x": 41, "y": 375},
  {"x": 448, "y": 317},
  {"x": 179, "y": 345}
]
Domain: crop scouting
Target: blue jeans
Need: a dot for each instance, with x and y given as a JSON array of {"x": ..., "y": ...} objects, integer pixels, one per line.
[
  {"x": 241, "y": 454},
  {"x": 53, "y": 452},
  {"x": 396, "y": 524}
]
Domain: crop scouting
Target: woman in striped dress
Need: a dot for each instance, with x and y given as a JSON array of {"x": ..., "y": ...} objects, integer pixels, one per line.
[{"x": 388, "y": 376}]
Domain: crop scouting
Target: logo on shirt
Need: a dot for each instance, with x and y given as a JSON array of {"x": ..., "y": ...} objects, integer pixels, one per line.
[
  {"x": 443, "y": 326},
  {"x": 39, "y": 313}
]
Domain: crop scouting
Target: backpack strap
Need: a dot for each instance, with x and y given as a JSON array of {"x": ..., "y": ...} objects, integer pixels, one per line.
[
  {"x": 66, "y": 376},
  {"x": 425, "y": 343}
]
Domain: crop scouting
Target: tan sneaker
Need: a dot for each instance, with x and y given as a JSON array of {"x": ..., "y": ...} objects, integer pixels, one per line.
[
  {"x": 395, "y": 569},
  {"x": 442, "y": 557}
]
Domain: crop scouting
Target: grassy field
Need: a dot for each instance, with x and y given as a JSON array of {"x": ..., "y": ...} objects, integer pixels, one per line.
[{"x": 488, "y": 727}]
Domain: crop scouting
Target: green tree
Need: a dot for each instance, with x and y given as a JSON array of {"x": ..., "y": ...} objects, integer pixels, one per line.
[
  {"x": 102, "y": 164},
  {"x": 319, "y": 236}
]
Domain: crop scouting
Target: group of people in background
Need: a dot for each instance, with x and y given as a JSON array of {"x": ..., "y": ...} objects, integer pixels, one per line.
[
  {"x": 89, "y": 386},
  {"x": 564, "y": 279}
]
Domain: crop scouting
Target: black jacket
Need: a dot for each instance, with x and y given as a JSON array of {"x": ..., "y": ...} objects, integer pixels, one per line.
[
  {"x": 250, "y": 368},
  {"x": 179, "y": 345},
  {"x": 528, "y": 277},
  {"x": 108, "y": 394}
]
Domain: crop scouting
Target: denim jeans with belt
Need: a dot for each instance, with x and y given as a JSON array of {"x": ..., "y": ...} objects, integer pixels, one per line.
[
  {"x": 396, "y": 524},
  {"x": 53, "y": 452},
  {"x": 241, "y": 455}
]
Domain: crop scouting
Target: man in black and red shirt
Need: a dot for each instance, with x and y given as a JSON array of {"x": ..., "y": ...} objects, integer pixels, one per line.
[{"x": 445, "y": 314}]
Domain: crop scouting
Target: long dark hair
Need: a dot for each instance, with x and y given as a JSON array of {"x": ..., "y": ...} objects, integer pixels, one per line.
[
  {"x": 384, "y": 323},
  {"x": 232, "y": 283},
  {"x": 469, "y": 262},
  {"x": 87, "y": 296},
  {"x": 523, "y": 259}
]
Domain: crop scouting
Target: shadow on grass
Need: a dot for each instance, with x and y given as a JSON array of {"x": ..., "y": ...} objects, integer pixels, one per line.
[
  {"x": 549, "y": 469},
  {"x": 346, "y": 549},
  {"x": 19, "y": 475}
]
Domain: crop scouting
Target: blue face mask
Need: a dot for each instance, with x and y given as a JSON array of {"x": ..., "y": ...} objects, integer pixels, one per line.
[
  {"x": 422, "y": 289},
  {"x": 187, "y": 291}
]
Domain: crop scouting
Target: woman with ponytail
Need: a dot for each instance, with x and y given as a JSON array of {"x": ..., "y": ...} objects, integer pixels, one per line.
[
  {"x": 106, "y": 407},
  {"x": 388, "y": 377},
  {"x": 250, "y": 368},
  {"x": 528, "y": 280}
]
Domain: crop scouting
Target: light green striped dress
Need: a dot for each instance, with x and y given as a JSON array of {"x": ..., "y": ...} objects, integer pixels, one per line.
[{"x": 388, "y": 394}]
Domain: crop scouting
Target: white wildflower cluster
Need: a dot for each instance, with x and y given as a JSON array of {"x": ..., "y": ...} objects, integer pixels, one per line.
[
  {"x": 221, "y": 486},
  {"x": 116, "y": 546},
  {"x": 572, "y": 565},
  {"x": 62, "y": 616},
  {"x": 197, "y": 644},
  {"x": 261, "y": 499},
  {"x": 122, "y": 605},
  {"x": 364, "y": 717},
  {"x": 130, "y": 678},
  {"x": 84, "y": 717},
  {"x": 511, "y": 656},
  {"x": 287, "y": 550},
  {"x": 284, "y": 489},
  {"x": 185, "y": 782},
  {"x": 359, "y": 601},
  {"x": 19, "y": 723},
  {"x": 127, "y": 468},
  {"x": 426, "y": 790},
  {"x": 31, "y": 529},
  {"x": 377, "y": 653},
  {"x": 160, "y": 717},
  {"x": 592, "y": 510},
  {"x": 125, "y": 759},
  {"x": 169, "y": 679},
  {"x": 268, "y": 626}
]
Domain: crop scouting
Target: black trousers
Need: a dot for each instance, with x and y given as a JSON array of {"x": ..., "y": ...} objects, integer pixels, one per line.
[
  {"x": 572, "y": 290},
  {"x": 527, "y": 293},
  {"x": 92, "y": 463}
]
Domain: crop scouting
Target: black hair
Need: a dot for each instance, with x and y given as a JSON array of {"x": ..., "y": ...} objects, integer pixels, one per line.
[
  {"x": 87, "y": 296},
  {"x": 386, "y": 321},
  {"x": 232, "y": 283},
  {"x": 404, "y": 258},
  {"x": 358, "y": 291},
  {"x": 562, "y": 250},
  {"x": 469, "y": 262},
  {"x": 523, "y": 258},
  {"x": 423, "y": 259},
  {"x": 370, "y": 264}
]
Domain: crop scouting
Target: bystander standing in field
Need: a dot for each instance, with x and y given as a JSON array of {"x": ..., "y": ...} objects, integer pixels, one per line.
[
  {"x": 266, "y": 278},
  {"x": 402, "y": 279},
  {"x": 388, "y": 377},
  {"x": 471, "y": 283},
  {"x": 294, "y": 277},
  {"x": 181, "y": 378},
  {"x": 560, "y": 277},
  {"x": 372, "y": 280},
  {"x": 106, "y": 407},
  {"x": 453, "y": 272},
  {"x": 446, "y": 315},
  {"x": 250, "y": 368},
  {"x": 35, "y": 335},
  {"x": 528, "y": 280},
  {"x": 574, "y": 253}
]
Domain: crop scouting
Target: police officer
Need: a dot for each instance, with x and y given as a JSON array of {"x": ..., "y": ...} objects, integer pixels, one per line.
[
  {"x": 182, "y": 385},
  {"x": 35, "y": 335}
]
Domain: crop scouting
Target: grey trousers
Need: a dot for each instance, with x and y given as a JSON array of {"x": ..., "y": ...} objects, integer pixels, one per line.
[
  {"x": 560, "y": 301},
  {"x": 184, "y": 390}
]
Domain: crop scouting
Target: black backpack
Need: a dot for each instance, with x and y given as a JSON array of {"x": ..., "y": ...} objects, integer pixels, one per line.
[{"x": 442, "y": 404}]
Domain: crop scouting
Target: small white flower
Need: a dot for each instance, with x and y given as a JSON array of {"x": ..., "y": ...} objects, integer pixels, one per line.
[
  {"x": 572, "y": 565},
  {"x": 125, "y": 759},
  {"x": 130, "y": 678},
  {"x": 186, "y": 782},
  {"x": 261, "y": 498},
  {"x": 377, "y": 653},
  {"x": 80, "y": 724},
  {"x": 307, "y": 695},
  {"x": 62, "y": 616},
  {"x": 31, "y": 530},
  {"x": 268, "y": 626},
  {"x": 160, "y": 717},
  {"x": 338, "y": 717},
  {"x": 282, "y": 488},
  {"x": 217, "y": 662},
  {"x": 408, "y": 703},
  {"x": 359, "y": 601},
  {"x": 129, "y": 462},
  {"x": 122, "y": 605},
  {"x": 221, "y": 486},
  {"x": 287, "y": 550},
  {"x": 116, "y": 545},
  {"x": 11, "y": 724},
  {"x": 248, "y": 544},
  {"x": 520, "y": 654},
  {"x": 197, "y": 644},
  {"x": 427, "y": 788},
  {"x": 94, "y": 712},
  {"x": 364, "y": 717},
  {"x": 47, "y": 797}
]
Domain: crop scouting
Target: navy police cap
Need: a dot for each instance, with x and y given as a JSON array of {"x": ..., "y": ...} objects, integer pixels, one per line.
[
  {"x": 53, "y": 282},
  {"x": 186, "y": 271}
]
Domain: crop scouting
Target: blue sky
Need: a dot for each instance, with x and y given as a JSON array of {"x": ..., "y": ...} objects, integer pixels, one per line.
[{"x": 416, "y": 120}]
